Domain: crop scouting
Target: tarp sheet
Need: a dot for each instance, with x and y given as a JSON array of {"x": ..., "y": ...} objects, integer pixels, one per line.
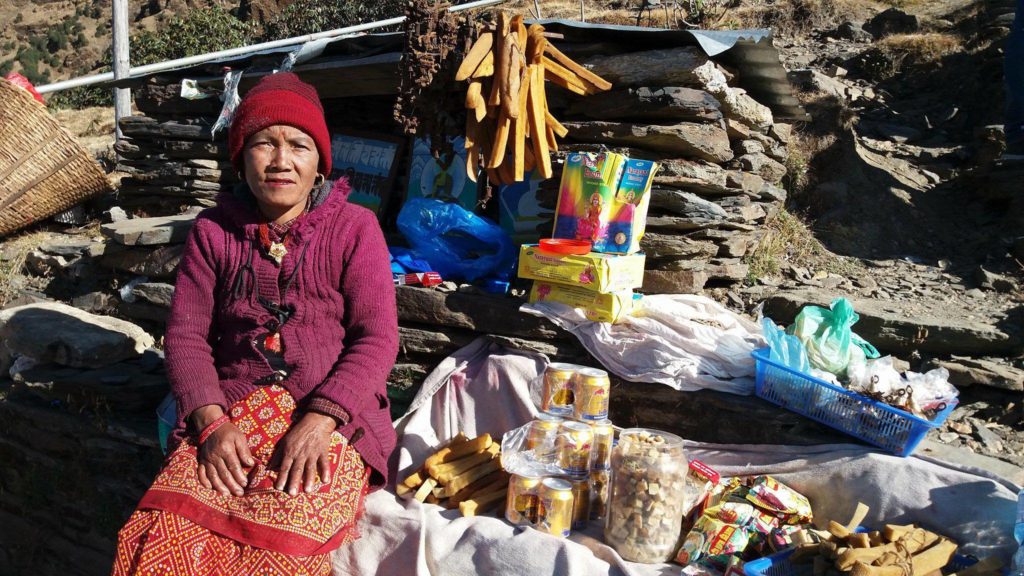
[{"x": 485, "y": 388}]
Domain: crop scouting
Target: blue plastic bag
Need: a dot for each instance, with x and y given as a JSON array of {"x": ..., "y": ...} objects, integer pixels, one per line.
[
  {"x": 458, "y": 244},
  {"x": 404, "y": 261},
  {"x": 786, "y": 349}
]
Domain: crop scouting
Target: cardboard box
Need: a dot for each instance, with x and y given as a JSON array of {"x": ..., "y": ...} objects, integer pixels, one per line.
[
  {"x": 628, "y": 213},
  {"x": 595, "y": 272},
  {"x": 596, "y": 306},
  {"x": 586, "y": 194},
  {"x": 519, "y": 212}
]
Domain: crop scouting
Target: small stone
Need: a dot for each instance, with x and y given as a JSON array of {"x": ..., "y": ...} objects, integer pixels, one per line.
[
  {"x": 961, "y": 428},
  {"x": 799, "y": 272},
  {"x": 41, "y": 264},
  {"x": 992, "y": 281},
  {"x": 155, "y": 293},
  {"x": 735, "y": 299},
  {"x": 115, "y": 214},
  {"x": 931, "y": 176},
  {"x": 865, "y": 282},
  {"x": 150, "y": 231},
  {"x": 892, "y": 21},
  {"x": 832, "y": 282},
  {"x": 67, "y": 248},
  {"x": 975, "y": 293},
  {"x": 853, "y": 31},
  {"x": 948, "y": 437},
  {"x": 989, "y": 438},
  {"x": 95, "y": 302},
  {"x": 837, "y": 71}
]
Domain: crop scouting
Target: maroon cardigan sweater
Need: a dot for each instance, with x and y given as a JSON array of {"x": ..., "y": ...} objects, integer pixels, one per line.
[{"x": 340, "y": 342}]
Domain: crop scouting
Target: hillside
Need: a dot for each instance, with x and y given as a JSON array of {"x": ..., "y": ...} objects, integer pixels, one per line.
[
  {"x": 52, "y": 40},
  {"x": 56, "y": 40}
]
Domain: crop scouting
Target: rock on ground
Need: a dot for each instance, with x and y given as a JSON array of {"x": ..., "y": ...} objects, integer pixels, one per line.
[{"x": 54, "y": 332}]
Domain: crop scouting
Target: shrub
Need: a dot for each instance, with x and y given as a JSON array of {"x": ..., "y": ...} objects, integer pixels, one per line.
[
  {"x": 199, "y": 31},
  {"x": 311, "y": 16},
  {"x": 82, "y": 97},
  {"x": 18, "y": 18},
  {"x": 56, "y": 38},
  {"x": 6, "y": 67}
]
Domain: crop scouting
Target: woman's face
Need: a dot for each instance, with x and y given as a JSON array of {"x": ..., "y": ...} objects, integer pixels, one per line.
[{"x": 280, "y": 168}]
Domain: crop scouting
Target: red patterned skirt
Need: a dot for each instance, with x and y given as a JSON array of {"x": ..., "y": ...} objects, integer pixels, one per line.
[{"x": 184, "y": 529}]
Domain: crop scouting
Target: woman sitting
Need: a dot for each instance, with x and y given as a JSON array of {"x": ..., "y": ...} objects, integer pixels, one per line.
[{"x": 282, "y": 332}]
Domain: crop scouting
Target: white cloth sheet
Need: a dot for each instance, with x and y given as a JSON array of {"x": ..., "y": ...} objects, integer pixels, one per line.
[
  {"x": 685, "y": 341},
  {"x": 485, "y": 388}
]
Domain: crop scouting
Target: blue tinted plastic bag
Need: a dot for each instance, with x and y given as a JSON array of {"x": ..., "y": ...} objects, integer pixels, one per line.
[
  {"x": 458, "y": 244},
  {"x": 785, "y": 348},
  {"x": 828, "y": 337}
]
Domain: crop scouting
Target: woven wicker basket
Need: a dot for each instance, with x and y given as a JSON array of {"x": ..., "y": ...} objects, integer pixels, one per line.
[{"x": 43, "y": 169}]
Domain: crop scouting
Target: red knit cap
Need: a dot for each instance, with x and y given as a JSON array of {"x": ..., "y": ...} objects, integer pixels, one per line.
[{"x": 280, "y": 98}]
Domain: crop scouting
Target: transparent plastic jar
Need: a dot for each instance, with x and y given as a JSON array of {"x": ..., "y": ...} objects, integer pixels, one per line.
[{"x": 647, "y": 496}]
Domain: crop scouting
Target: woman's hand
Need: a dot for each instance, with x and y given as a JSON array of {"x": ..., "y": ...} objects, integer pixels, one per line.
[
  {"x": 222, "y": 455},
  {"x": 302, "y": 453}
]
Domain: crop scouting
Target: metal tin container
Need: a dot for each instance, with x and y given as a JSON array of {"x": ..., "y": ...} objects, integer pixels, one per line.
[
  {"x": 523, "y": 501},
  {"x": 558, "y": 389},
  {"x": 601, "y": 450},
  {"x": 555, "y": 516},
  {"x": 599, "y": 486},
  {"x": 573, "y": 447},
  {"x": 580, "y": 502},
  {"x": 542, "y": 434},
  {"x": 591, "y": 388}
]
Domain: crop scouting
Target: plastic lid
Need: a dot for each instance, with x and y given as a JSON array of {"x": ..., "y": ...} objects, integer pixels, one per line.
[{"x": 564, "y": 246}]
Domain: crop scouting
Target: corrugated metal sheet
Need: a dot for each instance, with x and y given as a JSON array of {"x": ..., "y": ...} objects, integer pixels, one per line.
[{"x": 748, "y": 53}]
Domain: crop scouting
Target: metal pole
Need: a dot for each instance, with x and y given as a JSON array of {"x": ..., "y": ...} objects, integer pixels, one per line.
[
  {"x": 122, "y": 66},
  {"x": 243, "y": 50}
]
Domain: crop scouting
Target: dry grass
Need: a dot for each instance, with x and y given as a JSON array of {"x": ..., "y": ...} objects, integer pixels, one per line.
[
  {"x": 789, "y": 239},
  {"x": 791, "y": 17},
  {"x": 93, "y": 127},
  {"x": 786, "y": 238},
  {"x": 921, "y": 47},
  {"x": 604, "y": 12},
  {"x": 15, "y": 249}
]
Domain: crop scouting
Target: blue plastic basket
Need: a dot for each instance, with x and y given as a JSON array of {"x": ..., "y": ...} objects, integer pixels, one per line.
[
  {"x": 779, "y": 565},
  {"x": 874, "y": 422}
]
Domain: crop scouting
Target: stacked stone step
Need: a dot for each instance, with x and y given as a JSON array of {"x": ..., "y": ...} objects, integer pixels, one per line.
[
  {"x": 149, "y": 249},
  {"x": 61, "y": 353},
  {"x": 172, "y": 164},
  {"x": 80, "y": 406},
  {"x": 722, "y": 156}
]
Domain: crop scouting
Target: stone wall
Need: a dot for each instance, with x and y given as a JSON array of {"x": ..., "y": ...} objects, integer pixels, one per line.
[{"x": 79, "y": 443}]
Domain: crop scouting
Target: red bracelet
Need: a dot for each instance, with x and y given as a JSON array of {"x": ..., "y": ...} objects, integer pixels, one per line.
[{"x": 209, "y": 430}]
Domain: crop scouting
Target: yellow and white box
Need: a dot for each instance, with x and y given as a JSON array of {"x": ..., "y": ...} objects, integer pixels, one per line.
[
  {"x": 596, "y": 306},
  {"x": 594, "y": 271}
]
